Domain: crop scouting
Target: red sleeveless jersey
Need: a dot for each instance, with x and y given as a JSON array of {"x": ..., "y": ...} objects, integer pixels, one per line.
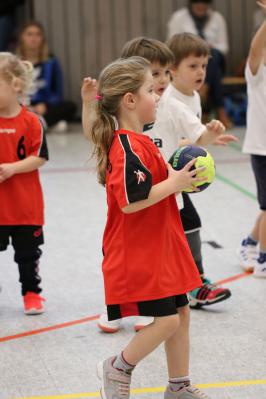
[
  {"x": 21, "y": 198},
  {"x": 146, "y": 254}
]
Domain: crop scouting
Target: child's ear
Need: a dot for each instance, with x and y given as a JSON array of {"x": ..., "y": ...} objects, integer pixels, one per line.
[
  {"x": 129, "y": 100},
  {"x": 17, "y": 85},
  {"x": 173, "y": 71}
]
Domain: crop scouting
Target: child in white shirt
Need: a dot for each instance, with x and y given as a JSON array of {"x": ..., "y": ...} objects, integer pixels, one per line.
[
  {"x": 178, "y": 122},
  {"x": 255, "y": 144}
]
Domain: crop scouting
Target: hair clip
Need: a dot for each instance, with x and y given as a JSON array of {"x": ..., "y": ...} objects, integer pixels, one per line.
[{"x": 98, "y": 97}]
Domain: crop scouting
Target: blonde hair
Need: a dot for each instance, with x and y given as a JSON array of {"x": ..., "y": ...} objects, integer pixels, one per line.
[
  {"x": 118, "y": 78},
  {"x": 21, "y": 50},
  {"x": 12, "y": 68}
]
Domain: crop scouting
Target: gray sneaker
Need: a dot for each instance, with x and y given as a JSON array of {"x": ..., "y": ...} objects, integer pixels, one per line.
[
  {"x": 115, "y": 383},
  {"x": 189, "y": 392}
]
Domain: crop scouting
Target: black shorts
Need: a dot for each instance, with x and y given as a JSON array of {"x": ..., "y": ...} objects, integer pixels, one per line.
[
  {"x": 189, "y": 216},
  {"x": 258, "y": 163},
  {"x": 22, "y": 236},
  {"x": 156, "y": 308}
]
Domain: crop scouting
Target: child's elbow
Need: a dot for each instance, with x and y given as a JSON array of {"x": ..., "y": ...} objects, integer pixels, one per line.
[
  {"x": 42, "y": 161},
  {"x": 127, "y": 209}
]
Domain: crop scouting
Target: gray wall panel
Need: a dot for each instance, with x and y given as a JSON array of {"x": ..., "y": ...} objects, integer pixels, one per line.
[{"x": 87, "y": 34}]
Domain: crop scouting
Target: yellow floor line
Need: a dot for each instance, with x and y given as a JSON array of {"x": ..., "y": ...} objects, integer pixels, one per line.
[{"x": 153, "y": 390}]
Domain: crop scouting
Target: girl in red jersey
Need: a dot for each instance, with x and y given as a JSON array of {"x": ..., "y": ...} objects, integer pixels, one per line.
[
  {"x": 23, "y": 150},
  {"x": 147, "y": 266}
]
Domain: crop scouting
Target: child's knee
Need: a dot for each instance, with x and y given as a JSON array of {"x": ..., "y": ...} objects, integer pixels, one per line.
[
  {"x": 169, "y": 324},
  {"x": 184, "y": 314}
]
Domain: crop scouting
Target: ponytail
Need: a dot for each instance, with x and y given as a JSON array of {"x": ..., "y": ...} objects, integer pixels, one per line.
[
  {"x": 120, "y": 77},
  {"x": 102, "y": 133}
]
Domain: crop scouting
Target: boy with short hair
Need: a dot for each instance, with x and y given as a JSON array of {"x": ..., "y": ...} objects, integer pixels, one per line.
[{"x": 178, "y": 122}]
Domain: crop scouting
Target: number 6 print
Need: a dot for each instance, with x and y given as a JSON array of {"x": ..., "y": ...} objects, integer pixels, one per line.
[{"x": 21, "y": 150}]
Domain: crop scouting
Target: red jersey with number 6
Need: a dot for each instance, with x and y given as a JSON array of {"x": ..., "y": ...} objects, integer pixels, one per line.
[
  {"x": 21, "y": 198},
  {"x": 146, "y": 254}
]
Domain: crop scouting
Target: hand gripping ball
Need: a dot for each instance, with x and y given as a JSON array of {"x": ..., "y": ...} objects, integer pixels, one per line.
[{"x": 185, "y": 154}]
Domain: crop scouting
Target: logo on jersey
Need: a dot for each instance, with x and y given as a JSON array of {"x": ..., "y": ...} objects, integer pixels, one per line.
[
  {"x": 141, "y": 177},
  {"x": 8, "y": 131},
  {"x": 158, "y": 142}
]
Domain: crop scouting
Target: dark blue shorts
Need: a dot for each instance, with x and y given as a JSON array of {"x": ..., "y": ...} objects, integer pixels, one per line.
[{"x": 258, "y": 163}]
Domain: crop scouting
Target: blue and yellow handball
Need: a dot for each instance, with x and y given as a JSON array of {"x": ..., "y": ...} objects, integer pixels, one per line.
[{"x": 185, "y": 154}]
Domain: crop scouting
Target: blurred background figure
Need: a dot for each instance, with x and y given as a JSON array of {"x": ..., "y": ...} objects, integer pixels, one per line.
[
  {"x": 7, "y": 21},
  {"x": 46, "y": 96},
  {"x": 258, "y": 19},
  {"x": 199, "y": 18}
]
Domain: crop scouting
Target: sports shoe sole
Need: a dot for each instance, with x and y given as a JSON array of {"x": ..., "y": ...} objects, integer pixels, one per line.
[
  {"x": 244, "y": 266},
  {"x": 99, "y": 370},
  {"x": 247, "y": 269},
  {"x": 32, "y": 312},
  {"x": 108, "y": 329},
  {"x": 199, "y": 304}
]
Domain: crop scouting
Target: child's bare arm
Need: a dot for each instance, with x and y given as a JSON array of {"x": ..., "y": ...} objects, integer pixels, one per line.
[
  {"x": 88, "y": 95},
  {"x": 176, "y": 182},
  {"x": 258, "y": 44},
  {"x": 214, "y": 134},
  {"x": 213, "y": 129},
  {"x": 26, "y": 165}
]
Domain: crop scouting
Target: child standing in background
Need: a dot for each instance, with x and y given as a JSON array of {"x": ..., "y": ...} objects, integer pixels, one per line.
[
  {"x": 23, "y": 150},
  {"x": 255, "y": 145},
  {"x": 151, "y": 49},
  {"x": 178, "y": 122},
  {"x": 147, "y": 266}
]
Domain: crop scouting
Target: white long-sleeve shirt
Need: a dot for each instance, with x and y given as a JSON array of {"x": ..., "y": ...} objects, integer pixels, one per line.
[{"x": 215, "y": 30}]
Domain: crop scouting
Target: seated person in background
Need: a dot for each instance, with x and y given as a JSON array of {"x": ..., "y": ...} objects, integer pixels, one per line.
[
  {"x": 46, "y": 95},
  {"x": 199, "y": 18}
]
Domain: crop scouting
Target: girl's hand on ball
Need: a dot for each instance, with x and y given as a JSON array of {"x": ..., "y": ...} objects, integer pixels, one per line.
[{"x": 185, "y": 178}]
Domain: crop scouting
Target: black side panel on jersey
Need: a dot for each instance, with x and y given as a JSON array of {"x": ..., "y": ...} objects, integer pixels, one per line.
[
  {"x": 44, "y": 149},
  {"x": 138, "y": 179}
]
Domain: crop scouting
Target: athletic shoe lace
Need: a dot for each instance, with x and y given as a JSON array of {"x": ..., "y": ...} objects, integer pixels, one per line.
[
  {"x": 124, "y": 384},
  {"x": 196, "y": 391}
]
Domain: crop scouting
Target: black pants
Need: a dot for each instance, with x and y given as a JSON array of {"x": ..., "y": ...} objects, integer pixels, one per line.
[
  {"x": 25, "y": 241},
  {"x": 191, "y": 225},
  {"x": 258, "y": 163},
  {"x": 215, "y": 72},
  {"x": 63, "y": 111}
]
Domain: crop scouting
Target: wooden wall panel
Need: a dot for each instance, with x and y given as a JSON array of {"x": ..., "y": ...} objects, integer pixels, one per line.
[{"x": 87, "y": 34}]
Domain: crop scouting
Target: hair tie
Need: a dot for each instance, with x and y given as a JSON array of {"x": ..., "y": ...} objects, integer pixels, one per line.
[{"x": 98, "y": 97}]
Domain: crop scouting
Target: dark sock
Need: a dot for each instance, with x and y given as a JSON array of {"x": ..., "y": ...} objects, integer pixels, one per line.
[
  {"x": 262, "y": 256},
  {"x": 250, "y": 241}
]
